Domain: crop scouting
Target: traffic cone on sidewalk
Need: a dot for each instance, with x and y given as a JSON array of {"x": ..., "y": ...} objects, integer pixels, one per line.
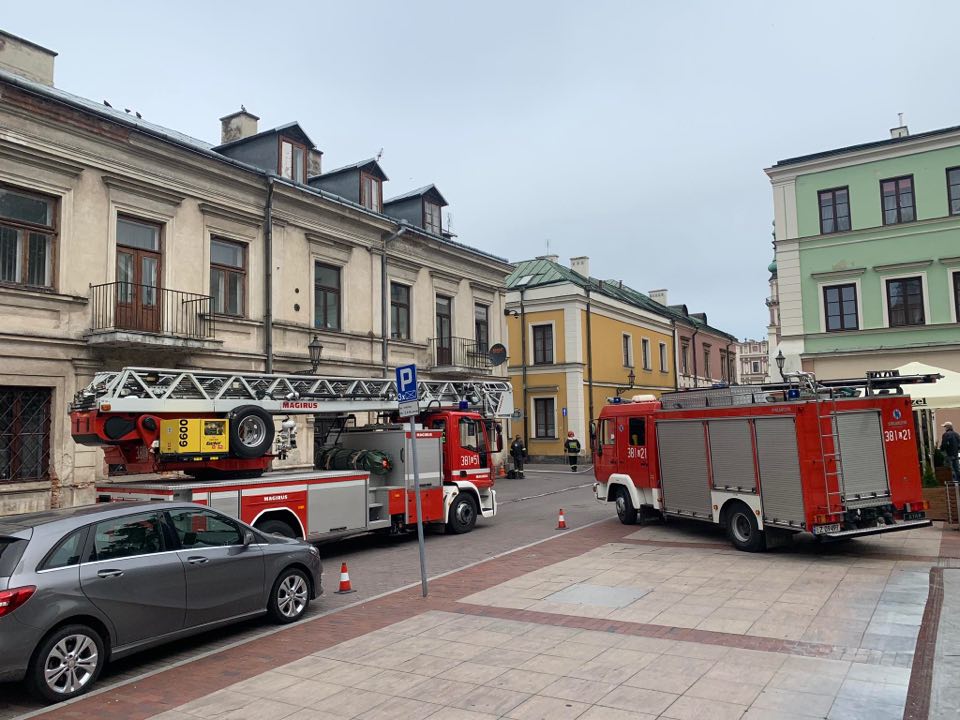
[
  {"x": 503, "y": 471},
  {"x": 561, "y": 521},
  {"x": 344, "y": 581}
]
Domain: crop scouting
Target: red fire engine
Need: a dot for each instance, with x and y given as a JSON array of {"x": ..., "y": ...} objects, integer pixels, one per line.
[
  {"x": 837, "y": 458},
  {"x": 219, "y": 428}
]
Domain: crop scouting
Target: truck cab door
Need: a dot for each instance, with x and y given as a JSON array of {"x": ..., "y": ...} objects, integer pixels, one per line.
[
  {"x": 473, "y": 453},
  {"x": 605, "y": 460},
  {"x": 633, "y": 450}
]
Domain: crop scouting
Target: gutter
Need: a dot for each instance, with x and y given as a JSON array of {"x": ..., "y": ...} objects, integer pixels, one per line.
[
  {"x": 693, "y": 350},
  {"x": 590, "y": 372},
  {"x": 523, "y": 352},
  {"x": 268, "y": 277}
]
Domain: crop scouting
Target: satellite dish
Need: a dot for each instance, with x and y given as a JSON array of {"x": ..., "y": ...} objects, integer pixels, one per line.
[{"x": 497, "y": 355}]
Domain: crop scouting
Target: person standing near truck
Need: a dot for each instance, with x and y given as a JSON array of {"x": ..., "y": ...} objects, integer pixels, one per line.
[
  {"x": 950, "y": 447},
  {"x": 572, "y": 448},
  {"x": 517, "y": 452}
]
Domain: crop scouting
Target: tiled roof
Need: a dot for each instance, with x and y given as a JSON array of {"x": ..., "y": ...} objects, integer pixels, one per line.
[{"x": 130, "y": 120}]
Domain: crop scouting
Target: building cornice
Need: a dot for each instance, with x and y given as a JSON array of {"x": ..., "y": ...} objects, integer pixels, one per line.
[
  {"x": 838, "y": 274},
  {"x": 239, "y": 216},
  {"x": 894, "y": 267},
  {"x": 863, "y": 156},
  {"x": 148, "y": 190},
  {"x": 39, "y": 159}
]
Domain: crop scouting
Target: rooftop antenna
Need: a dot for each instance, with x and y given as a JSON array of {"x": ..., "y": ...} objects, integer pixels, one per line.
[{"x": 379, "y": 154}]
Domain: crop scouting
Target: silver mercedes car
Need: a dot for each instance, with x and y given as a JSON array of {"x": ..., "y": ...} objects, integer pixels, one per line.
[{"x": 84, "y": 585}]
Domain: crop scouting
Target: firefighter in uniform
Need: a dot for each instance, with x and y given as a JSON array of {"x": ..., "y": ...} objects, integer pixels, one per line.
[
  {"x": 517, "y": 452},
  {"x": 572, "y": 448}
]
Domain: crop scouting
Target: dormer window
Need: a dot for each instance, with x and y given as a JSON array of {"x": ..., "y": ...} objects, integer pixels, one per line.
[
  {"x": 371, "y": 194},
  {"x": 431, "y": 217},
  {"x": 293, "y": 160}
]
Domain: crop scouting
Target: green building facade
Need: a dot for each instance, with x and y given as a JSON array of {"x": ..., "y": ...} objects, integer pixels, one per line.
[{"x": 868, "y": 255}]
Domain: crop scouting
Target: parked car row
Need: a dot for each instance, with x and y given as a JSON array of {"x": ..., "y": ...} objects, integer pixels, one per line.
[{"x": 85, "y": 585}]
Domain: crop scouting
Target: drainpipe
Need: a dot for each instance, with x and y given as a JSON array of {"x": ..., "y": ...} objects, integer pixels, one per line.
[
  {"x": 693, "y": 351},
  {"x": 384, "y": 302},
  {"x": 268, "y": 277},
  {"x": 730, "y": 380},
  {"x": 523, "y": 351},
  {"x": 589, "y": 367}
]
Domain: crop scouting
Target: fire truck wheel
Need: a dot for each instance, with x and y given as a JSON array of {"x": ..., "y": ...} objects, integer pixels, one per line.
[
  {"x": 251, "y": 431},
  {"x": 463, "y": 514},
  {"x": 290, "y": 596},
  {"x": 276, "y": 527},
  {"x": 743, "y": 530},
  {"x": 625, "y": 509}
]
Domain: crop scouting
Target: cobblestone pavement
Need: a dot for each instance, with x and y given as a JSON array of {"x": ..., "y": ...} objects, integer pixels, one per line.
[
  {"x": 380, "y": 564},
  {"x": 605, "y": 622}
]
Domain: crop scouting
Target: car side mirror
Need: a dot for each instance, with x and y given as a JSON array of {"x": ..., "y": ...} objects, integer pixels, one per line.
[{"x": 248, "y": 538}]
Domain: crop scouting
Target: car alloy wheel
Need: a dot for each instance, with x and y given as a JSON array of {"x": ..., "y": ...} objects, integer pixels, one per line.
[
  {"x": 292, "y": 596},
  {"x": 71, "y": 664}
]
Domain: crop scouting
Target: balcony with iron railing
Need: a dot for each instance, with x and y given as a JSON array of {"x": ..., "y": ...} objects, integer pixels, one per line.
[
  {"x": 128, "y": 314},
  {"x": 459, "y": 356}
]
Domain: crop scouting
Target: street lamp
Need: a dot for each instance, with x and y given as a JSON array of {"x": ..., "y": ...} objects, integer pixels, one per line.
[
  {"x": 780, "y": 361},
  {"x": 631, "y": 378},
  {"x": 316, "y": 348}
]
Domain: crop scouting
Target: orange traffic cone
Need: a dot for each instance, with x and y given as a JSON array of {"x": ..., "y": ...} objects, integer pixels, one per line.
[
  {"x": 503, "y": 471},
  {"x": 344, "y": 581},
  {"x": 561, "y": 521}
]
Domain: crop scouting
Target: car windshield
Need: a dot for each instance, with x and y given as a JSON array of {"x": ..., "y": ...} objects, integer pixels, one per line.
[{"x": 11, "y": 549}]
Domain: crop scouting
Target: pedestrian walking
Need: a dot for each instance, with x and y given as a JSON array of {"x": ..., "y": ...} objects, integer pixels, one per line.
[
  {"x": 950, "y": 447},
  {"x": 518, "y": 451},
  {"x": 572, "y": 448}
]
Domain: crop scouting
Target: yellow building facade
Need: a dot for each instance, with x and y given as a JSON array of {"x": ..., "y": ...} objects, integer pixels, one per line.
[{"x": 576, "y": 342}]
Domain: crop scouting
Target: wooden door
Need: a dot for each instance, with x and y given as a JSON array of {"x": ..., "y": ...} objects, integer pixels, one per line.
[{"x": 138, "y": 276}]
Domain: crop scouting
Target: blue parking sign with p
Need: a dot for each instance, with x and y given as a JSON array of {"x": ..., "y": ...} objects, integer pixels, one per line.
[{"x": 407, "y": 383}]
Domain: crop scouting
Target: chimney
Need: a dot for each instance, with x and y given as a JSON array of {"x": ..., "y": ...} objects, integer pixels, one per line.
[
  {"x": 659, "y": 296},
  {"x": 26, "y": 59},
  {"x": 551, "y": 258},
  {"x": 313, "y": 163},
  {"x": 237, "y": 126},
  {"x": 901, "y": 130},
  {"x": 581, "y": 265}
]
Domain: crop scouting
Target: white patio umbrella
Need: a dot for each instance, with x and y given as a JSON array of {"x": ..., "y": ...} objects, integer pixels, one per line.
[{"x": 944, "y": 393}]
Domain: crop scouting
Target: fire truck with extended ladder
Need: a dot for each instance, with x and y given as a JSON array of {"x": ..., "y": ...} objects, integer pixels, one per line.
[
  {"x": 219, "y": 428},
  {"x": 835, "y": 458}
]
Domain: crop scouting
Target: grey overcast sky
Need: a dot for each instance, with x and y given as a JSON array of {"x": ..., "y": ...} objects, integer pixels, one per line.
[{"x": 632, "y": 132}]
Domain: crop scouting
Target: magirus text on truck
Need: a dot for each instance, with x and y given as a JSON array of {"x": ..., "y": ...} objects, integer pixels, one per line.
[
  {"x": 836, "y": 458},
  {"x": 220, "y": 430}
]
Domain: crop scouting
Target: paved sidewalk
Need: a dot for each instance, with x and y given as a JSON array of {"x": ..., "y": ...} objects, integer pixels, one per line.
[{"x": 609, "y": 622}]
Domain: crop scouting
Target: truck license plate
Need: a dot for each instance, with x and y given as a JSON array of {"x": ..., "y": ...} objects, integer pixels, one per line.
[
  {"x": 914, "y": 516},
  {"x": 826, "y": 529}
]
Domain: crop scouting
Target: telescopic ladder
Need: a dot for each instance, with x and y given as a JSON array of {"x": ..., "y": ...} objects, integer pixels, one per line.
[{"x": 165, "y": 391}]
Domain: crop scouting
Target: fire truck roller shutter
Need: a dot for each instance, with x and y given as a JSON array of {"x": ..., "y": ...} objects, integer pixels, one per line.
[
  {"x": 683, "y": 468},
  {"x": 862, "y": 457},
  {"x": 251, "y": 431},
  {"x": 780, "y": 484},
  {"x": 731, "y": 455}
]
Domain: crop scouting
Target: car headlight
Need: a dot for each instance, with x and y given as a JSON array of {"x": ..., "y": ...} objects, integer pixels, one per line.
[{"x": 314, "y": 551}]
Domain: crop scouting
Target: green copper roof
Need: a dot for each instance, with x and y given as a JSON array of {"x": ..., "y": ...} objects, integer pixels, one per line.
[
  {"x": 772, "y": 267},
  {"x": 540, "y": 272}
]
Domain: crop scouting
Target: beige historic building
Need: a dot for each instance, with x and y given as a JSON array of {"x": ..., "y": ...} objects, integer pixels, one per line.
[
  {"x": 126, "y": 243},
  {"x": 753, "y": 359}
]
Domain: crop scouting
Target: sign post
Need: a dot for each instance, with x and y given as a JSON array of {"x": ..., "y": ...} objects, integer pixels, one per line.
[{"x": 410, "y": 407}]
